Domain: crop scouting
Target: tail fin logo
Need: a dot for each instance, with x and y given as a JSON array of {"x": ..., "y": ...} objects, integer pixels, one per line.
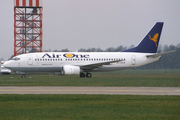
[{"x": 155, "y": 37}]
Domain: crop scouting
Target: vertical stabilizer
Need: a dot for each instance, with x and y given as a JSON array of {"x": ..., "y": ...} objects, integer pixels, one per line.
[{"x": 150, "y": 42}]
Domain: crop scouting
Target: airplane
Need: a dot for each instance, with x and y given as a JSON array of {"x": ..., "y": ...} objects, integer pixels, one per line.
[{"x": 83, "y": 63}]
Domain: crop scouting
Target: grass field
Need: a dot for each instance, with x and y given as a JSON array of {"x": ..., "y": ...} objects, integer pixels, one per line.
[
  {"x": 146, "y": 78},
  {"x": 89, "y": 107}
]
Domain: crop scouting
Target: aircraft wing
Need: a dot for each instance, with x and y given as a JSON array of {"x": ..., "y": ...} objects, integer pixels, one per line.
[
  {"x": 159, "y": 54},
  {"x": 97, "y": 65}
]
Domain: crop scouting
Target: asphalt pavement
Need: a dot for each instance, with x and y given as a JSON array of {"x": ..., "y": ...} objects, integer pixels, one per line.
[{"x": 90, "y": 90}]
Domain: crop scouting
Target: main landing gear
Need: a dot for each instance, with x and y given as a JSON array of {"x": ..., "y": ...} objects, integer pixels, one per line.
[{"x": 88, "y": 75}]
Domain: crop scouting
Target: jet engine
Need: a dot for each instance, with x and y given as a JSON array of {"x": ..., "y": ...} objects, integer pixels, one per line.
[{"x": 71, "y": 70}]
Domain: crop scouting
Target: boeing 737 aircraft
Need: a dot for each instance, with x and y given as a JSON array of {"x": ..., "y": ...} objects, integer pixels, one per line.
[{"x": 82, "y": 63}]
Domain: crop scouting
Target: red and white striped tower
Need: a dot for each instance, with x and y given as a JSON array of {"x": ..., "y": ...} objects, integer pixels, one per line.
[{"x": 27, "y": 26}]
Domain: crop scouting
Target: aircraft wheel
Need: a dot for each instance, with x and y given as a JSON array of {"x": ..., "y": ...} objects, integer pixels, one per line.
[
  {"x": 82, "y": 75},
  {"x": 88, "y": 75},
  {"x": 23, "y": 75}
]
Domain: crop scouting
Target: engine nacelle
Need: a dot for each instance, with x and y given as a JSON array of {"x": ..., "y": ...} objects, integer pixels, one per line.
[{"x": 71, "y": 70}]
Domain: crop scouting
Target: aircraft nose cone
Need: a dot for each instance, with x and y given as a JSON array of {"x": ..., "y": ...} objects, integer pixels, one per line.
[{"x": 6, "y": 64}]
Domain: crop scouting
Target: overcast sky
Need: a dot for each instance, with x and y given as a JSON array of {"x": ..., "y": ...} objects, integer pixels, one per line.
[{"x": 76, "y": 24}]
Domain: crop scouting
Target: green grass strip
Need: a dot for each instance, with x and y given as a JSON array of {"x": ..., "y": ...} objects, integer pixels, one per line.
[
  {"x": 89, "y": 107},
  {"x": 133, "y": 78}
]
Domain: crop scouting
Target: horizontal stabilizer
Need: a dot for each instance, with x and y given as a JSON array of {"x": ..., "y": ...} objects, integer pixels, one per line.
[{"x": 159, "y": 54}]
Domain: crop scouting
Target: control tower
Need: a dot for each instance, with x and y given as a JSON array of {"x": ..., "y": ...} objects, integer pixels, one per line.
[{"x": 27, "y": 26}]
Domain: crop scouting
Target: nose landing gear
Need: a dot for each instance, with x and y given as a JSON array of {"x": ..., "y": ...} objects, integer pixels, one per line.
[{"x": 23, "y": 75}]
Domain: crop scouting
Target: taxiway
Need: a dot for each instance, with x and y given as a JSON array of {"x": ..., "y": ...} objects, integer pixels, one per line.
[{"x": 90, "y": 90}]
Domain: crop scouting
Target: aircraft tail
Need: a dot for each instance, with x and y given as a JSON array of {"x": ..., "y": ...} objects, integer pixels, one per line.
[{"x": 150, "y": 42}]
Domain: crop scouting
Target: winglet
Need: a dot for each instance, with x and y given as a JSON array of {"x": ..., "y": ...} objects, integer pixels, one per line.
[{"x": 150, "y": 42}]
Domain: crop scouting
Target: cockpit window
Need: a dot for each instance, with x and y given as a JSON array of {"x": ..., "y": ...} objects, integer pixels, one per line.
[{"x": 15, "y": 58}]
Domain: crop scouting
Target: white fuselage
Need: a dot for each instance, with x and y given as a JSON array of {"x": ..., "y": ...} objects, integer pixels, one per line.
[{"x": 54, "y": 61}]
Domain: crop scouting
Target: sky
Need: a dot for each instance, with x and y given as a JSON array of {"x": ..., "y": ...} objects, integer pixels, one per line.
[{"x": 76, "y": 24}]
